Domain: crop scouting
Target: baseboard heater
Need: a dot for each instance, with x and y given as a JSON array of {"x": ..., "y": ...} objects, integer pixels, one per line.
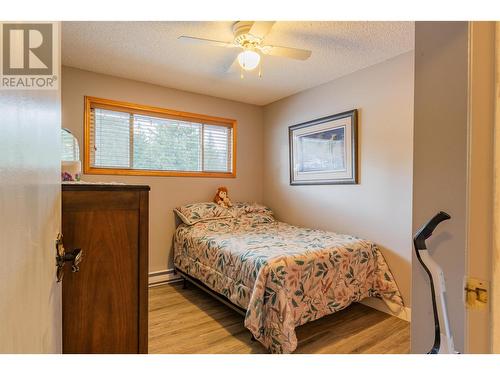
[
  {"x": 214, "y": 294},
  {"x": 163, "y": 277}
]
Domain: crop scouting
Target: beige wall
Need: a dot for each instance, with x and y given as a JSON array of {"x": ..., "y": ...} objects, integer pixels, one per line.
[
  {"x": 379, "y": 207},
  {"x": 440, "y": 170},
  {"x": 169, "y": 192}
]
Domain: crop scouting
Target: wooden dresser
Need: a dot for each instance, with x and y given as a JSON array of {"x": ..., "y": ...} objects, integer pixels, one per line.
[{"x": 105, "y": 303}]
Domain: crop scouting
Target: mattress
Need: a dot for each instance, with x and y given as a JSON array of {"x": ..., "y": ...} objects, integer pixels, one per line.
[{"x": 283, "y": 275}]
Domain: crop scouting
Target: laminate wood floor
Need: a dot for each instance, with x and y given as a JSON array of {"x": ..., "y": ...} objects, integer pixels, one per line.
[{"x": 191, "y": 321}]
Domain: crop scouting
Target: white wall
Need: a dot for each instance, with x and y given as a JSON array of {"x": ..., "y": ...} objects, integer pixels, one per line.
[
  {"x": 170, "y": 192},
  {"x": 379, "y": 207}
]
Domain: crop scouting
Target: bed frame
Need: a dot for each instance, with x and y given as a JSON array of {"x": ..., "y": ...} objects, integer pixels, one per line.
[
  {"x": 201, "y": 285},
  {"x": 188, "y": 278},
  {"x": 206, "y": 289}
]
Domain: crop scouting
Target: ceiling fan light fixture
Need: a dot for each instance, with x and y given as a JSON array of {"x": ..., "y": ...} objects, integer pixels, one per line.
[{"x": 248, "y": 59}]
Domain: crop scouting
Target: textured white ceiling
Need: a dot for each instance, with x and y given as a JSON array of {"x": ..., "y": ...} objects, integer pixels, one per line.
[{"x": 150, "y": 52}]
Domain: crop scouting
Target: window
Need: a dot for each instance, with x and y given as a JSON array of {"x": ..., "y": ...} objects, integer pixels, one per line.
[{"x": 124, "y": 138}]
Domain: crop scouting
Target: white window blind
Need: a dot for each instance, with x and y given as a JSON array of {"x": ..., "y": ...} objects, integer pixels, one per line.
[{"x": 127, "y": 140}]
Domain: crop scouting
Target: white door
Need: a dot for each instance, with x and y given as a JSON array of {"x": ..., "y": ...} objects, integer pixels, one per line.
[{"x": 30, "y": 218}]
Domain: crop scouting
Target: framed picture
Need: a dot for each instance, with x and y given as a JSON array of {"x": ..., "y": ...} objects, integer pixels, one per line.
[{"x": 324, "y": 151}]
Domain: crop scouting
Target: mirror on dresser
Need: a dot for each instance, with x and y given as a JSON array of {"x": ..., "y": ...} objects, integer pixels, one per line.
[{"x": 71, "y": 167}]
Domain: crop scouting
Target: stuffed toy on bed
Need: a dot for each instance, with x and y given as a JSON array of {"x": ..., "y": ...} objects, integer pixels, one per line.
[{"x": 222, "y": 198}]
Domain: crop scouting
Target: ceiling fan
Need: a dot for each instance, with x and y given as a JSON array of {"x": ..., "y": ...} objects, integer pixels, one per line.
[{"x": 249, "y": 37}]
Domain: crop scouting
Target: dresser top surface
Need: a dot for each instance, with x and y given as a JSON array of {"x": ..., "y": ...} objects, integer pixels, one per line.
[{"x": 80, "y": 186}]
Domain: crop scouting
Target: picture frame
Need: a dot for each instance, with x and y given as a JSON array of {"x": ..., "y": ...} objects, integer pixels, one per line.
[{"x": 324, "y": 151}]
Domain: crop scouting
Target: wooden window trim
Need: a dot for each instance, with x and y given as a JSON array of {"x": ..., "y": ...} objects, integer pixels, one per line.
[{"x": 93, "y": 102}]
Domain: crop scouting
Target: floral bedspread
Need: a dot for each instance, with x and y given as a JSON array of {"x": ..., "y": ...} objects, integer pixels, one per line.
[{"x": 284, "y": 276}]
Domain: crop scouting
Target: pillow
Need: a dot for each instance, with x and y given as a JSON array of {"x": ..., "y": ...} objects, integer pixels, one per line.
[
  {"x": 195, "y": 212},
  {"x": 242, "y": 208}
]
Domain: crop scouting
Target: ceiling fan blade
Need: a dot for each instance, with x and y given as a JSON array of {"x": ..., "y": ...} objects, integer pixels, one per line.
[
  {"x": 293, "y": 53},
  {"x": 234, "y": 67},
  {"x": 205, "y": 42},
  {"x": 261, "y": 28}
]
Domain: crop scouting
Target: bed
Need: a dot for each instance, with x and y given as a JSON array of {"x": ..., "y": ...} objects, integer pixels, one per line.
[{"x": 280, "y": 275}]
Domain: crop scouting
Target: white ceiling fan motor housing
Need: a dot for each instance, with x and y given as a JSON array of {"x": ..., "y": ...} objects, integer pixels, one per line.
[{"x": 242, "y": 36}]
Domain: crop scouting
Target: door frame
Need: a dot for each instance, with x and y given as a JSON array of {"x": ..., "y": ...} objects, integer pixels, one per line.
[
  {"x": 480, "y": 180},
  {"x": 495, "y": 257}
]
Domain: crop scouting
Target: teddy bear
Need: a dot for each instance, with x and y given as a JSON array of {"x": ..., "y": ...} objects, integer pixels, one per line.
[{"x": 222, "y": 198}]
